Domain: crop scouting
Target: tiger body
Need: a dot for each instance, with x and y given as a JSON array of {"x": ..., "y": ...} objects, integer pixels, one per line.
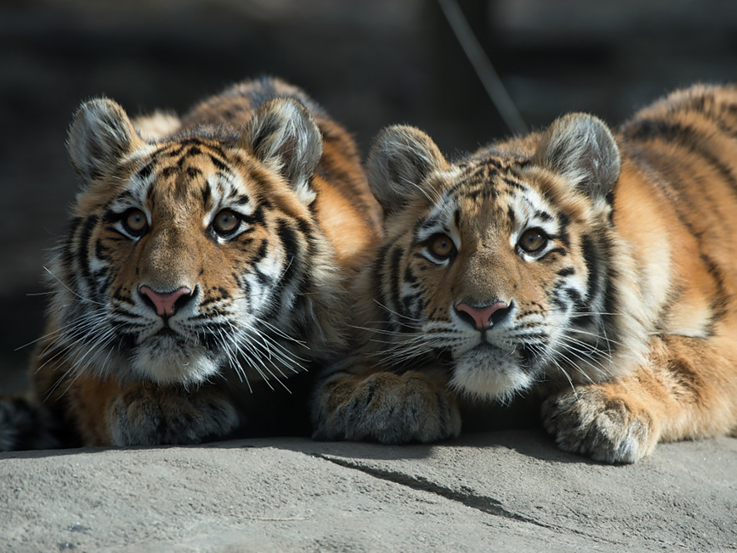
[
  {"x": 596, "y": 269},
  {"x": 204, "y": 263}
]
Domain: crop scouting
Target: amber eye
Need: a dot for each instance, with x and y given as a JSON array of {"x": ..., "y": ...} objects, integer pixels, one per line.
[
  {"x": 226, "y": 222},
  {"x": 441, "y": 246},
  {"x": 135, "y": 222},
  {"x": 533, "y": 240}
]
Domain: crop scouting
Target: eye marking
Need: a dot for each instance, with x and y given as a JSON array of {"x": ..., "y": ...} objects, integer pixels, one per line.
[
  {"x": 440, "y": 247},
  {"x": 134, "y": 223},
  {"x": 533, "y": 240},
  {"x": 226, "y": 223}
]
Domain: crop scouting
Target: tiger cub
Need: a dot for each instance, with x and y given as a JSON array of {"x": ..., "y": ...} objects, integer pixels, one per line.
[
  {"x": 204, "y": 263},
  {"x": 598, "y": 268}
]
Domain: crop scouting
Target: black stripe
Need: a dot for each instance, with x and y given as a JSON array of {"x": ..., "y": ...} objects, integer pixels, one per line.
[
  {"x": 409, "y": 276},
  {"x": 720, "y": 299},
  {"x": 306, "y": 229},
  {"x": 145, "y": 171},
  {"x": 379, "y": 273},
  {"x": 84, "y": 238},
  {"x": 395, "y": 258},
  {"x": 118, "y": 295},
  {"x": 481, "y": 193},
  {"x": 255, "y": 218},
  {"x": 593, "y": 267},
  {"x": 684, "y": 136},
  {"x": 575, "y": 296},
  {"x": 290, "y": 240},
  {"x": 263, "y": 279},
  {"x": 515, "y": 185},
  {"x": 262, "y": 251},
  {"x": 174, "y": 151},
  {"x": 561, "y": 251},
  {"x": 101, "y": 251},
  {"x": 220, "y": 165},
  {"x": 193, "y": 173},
  {"x": 563, "y": 222},
  {"x": 166, "y": 172},
  {"x": 241, "y": 200}
]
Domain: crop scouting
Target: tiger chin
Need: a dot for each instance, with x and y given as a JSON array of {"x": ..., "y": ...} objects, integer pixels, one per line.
[
  {"x": 203, "y": 269},
  {"x": 596, "y": 267}
]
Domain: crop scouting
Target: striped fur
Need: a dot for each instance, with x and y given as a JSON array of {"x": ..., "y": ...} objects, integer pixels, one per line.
[
  {"x": 204, "y": 263},
  {"x": 597, "y": 268}
]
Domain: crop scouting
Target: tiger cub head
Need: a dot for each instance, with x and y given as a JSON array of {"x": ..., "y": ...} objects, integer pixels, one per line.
[
  {"x": 500, "y": 262},
  {"x": 194, "y": 252}
]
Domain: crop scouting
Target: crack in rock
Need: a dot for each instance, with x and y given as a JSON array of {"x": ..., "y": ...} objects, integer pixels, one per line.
[{"x": 484, "y": 504}]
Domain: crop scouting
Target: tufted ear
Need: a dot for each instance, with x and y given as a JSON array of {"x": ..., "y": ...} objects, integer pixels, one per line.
[
  {"x": 582, "y": 149},
  {"x": 283, "y": 134},
  {"x": 100, "y": 136},
  {"x": 399, "y": 163}
]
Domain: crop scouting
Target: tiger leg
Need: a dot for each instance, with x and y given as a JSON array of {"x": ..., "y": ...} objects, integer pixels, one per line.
[
  {"x": 144, "y": 413},
  {"x": 105, "y": 413},
  {"x": 684, "y": 391},
  {"x": 415, "y": 406}
]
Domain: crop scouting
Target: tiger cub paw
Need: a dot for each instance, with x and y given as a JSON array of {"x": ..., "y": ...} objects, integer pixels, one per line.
[
  {"x": 146, "y": 414},
  {"x": 606, "y": 427},
  {"x": 388, "y": 408}
]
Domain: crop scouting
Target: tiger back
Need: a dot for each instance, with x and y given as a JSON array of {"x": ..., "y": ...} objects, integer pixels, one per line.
[
  {"x": 594, "y": 268},
  {"x": 204, "y": 266}
]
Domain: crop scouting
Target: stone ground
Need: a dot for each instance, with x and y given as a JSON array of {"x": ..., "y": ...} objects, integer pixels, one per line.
[{"x": 499, "y": 491}]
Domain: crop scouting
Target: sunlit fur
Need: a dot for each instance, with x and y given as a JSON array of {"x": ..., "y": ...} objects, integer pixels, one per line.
[
  {"x": 266, "y": 301},
  {"x": 625, "y": 318}
]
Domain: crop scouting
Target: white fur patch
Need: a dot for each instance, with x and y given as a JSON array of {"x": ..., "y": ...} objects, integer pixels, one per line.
[
  {"x": 487, "y": 373},
  {"x": 166, "y": 361}
]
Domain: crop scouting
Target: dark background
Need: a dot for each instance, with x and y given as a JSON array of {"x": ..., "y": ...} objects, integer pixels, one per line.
[{"x": 369, "y": 62}]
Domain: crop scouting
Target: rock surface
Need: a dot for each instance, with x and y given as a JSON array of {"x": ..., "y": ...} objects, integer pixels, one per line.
[{"x": 498, "y": 491}]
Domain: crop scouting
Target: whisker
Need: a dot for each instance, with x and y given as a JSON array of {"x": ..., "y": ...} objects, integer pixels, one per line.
[{"x": 85, "y": 300}]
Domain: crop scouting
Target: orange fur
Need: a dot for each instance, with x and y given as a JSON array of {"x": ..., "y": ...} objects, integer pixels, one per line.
[
  {"x": 251, "y": 212},
  {"x": 594, "y": 267}
]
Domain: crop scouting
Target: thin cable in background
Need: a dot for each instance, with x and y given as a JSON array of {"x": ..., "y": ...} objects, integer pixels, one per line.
[{"x": 483, "y": 67}]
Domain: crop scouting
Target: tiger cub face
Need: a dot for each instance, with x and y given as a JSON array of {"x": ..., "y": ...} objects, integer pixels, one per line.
[
  {"x": 189, "y": 254},
  {"x": 498, "y": 260}
]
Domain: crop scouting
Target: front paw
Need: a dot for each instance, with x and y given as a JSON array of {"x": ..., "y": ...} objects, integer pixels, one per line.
[
  {"x": 388, "y": 408},
  {"x": 594, "y": 421},
  {"x": 147, "y": 414}
]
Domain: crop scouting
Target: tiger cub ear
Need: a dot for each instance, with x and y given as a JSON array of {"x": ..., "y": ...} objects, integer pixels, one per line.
[
  {"x": 398, "y": 165},
  {"x": 283, "y": 135},
  {"x": 581, "y": 148},
  {"x": 101, "y": 134}
]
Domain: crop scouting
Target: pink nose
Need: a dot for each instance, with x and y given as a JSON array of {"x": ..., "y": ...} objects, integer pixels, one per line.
[
  {"x": 481, "y": 315},
  {"x": 164, "y": 303}
]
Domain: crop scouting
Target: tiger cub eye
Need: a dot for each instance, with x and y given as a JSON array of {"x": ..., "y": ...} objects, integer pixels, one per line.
[
  {"x": 226, "y": 222},
  {"x": 533, "y": 240},
  {"x": 441, "y": 246},
  {"x": 135, "y": 222}
]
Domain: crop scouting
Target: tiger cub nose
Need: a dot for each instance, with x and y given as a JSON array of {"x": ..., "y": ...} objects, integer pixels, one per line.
[
  {"x": 482, "y": 318},
  {"x": 166, "y": 303}
]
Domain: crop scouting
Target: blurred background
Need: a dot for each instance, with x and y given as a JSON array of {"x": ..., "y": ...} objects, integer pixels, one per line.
[{"x": 370, "y": 63}]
